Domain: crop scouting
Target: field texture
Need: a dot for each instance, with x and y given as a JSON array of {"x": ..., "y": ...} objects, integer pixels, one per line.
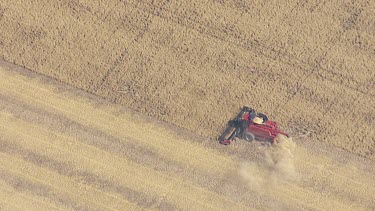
[
  {"x": 307, "y": 64},
  {"x": 62, "y": 149}
]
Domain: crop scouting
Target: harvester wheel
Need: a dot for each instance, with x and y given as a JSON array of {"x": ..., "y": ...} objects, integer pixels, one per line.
[{"x": 247, "y": 136}]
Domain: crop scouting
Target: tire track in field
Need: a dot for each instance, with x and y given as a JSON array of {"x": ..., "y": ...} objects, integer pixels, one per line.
[
  {"x": 195, "y": 176},
  {"x": 31, "y": 128},
  {"x": 126, "y": 146},
  {"x": 120, "y": 147},
  {"x": 122, "y": 126},
  {"x": 11, "y": 199},
  {"x": 91, "y": 197},
  {"x": 140, "y": 198},
  {"x": 138, "y": 179},
  {"x": 97, "y": 117},
  {"x": 22, "y": 185}
]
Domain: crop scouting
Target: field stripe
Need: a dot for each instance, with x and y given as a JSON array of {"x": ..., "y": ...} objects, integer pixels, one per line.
[
  {"x": 314, "y": 200},
  {"x": 346, "y": 174},
  {"x": 42, "y": 119},
  {"x": 136, "y": 177},
  {"x": 63, "y": 186},
  {"x": 10, "y": 199},
  {"x": 118, "y": 126}
]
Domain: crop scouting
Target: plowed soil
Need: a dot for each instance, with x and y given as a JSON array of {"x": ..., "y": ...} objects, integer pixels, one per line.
[
  {"x": 65, "y": 149},
  {"x": 307, "y": 64}
]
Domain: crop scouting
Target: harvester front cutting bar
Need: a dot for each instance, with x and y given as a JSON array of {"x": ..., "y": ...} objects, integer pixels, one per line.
[{"x": 233, "y": 127}]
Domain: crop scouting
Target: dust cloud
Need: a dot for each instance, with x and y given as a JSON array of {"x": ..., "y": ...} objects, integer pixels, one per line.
[{"x": 276, "y": 167}]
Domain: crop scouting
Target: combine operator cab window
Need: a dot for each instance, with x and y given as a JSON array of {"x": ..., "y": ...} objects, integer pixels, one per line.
[{"x": 263, "y": 116}]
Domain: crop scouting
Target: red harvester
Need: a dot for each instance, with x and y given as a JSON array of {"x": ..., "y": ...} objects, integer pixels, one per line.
[{"x": 250, "y": 125}]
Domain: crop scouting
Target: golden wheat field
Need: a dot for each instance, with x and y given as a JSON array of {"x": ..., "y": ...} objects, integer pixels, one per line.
[
  {"x": 62, "y": 149},
  {"x": 116, "y": 104}
]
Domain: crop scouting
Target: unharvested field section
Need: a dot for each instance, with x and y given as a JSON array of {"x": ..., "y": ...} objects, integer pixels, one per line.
[{"x": 308, "y": 65}]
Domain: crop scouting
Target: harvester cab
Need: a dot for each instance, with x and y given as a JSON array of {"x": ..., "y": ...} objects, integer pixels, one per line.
[{"x": 250, "y": 125}]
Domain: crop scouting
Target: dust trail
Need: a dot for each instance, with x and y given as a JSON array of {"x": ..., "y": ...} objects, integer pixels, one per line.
[{"x": 276, "y": 167}]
